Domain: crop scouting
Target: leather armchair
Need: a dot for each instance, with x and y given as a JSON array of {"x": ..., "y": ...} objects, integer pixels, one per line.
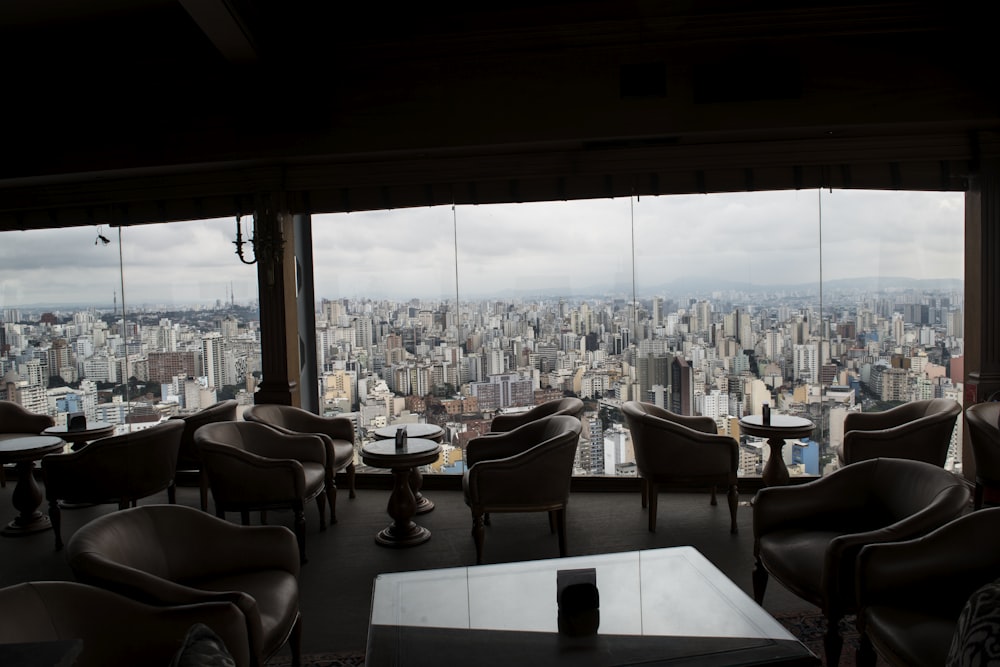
[
  {"x": 919, "y": 430},
  {"x": 525, "y": 470},
  {"x": 910, "y": 594},
  {"x": 188, "y": 458},
  {"x": 337, "y": 433},
  {"x": 119, "y": 469},
  {"x": 15, "y": 422},
  {"x": 680, "y": 450},
  {"x": 168, "y": 555},
  {"x": 116, "y": 631},
  {"x": 253, "y": 467},
  {"x": 808, "y": 536},
  {"x": 561, "y": 406},
  {"x": 983, "y": 420}
]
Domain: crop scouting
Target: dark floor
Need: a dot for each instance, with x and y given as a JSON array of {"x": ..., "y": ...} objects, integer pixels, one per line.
[{"x": 336, "y": 583}]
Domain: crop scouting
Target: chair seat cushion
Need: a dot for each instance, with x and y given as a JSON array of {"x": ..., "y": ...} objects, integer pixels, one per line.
[
  {"x": 909, "y": 637},
  {"x": 315, "y": 475},
  {"x": 343, "y": 453},
  {"x": 276, "y": 593},
  {"x": 796, "y": 558}
]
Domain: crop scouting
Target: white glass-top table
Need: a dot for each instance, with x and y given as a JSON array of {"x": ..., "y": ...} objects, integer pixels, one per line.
[{"x": 661, "y": 606}]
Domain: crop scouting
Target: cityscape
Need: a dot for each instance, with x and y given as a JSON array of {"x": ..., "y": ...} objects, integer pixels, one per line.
[{"x": 382, "y": 362}]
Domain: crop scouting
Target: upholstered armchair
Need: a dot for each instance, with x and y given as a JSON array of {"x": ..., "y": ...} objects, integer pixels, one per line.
[
  {"x": 119, "y": 469},
  {"x": 15, "y": 422},
  {"x": 561, "y": 406},
  {"x": 253, "y": 467},
  {"x": 527, "y": 469},
  {"x": 684, "y": 451},
  {"x": 188, "y": 458},
  {"x": 919, "y": 430},
  {"x": 808, "y": 536},
  {"x": 910, "y": 594},
  {"x": 983, "y": 420},
  {"x": 337, "y": 433},
  {"x": 113, "y": 630},
  {"x": 168, "y": 555}
]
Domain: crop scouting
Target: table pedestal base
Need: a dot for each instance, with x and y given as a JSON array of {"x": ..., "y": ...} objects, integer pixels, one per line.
[
  {"x": 775, "y": 472},
  {"x": 26, "y": 499},
  {"x": 402, "y": 506},
  {"x": 424, "y": 505}
]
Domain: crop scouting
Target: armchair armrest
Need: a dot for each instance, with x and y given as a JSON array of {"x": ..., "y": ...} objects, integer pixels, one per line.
[
  {"x": 495, "y": 446},
  {"x": 776, "y": 507},
  {"x": 298, "y": 446},
  {"x": 235, "y": 472},
  {"x": 535, "y": 481}
]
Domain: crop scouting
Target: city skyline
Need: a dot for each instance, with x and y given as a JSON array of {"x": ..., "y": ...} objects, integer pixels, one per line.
[{"x": 571, "y": 248}]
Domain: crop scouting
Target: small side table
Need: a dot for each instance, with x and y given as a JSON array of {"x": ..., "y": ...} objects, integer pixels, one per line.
[
  {"x": 402, "y": 532},
  {"x": 27, "y": 496},
  {"x": 426, "y": 432},
  {"x": 781, "y": 427},
  {"x": 80, "y": 437}
]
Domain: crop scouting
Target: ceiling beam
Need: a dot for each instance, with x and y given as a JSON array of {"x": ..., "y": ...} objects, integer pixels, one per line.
[{"x": 225, "y": 27}]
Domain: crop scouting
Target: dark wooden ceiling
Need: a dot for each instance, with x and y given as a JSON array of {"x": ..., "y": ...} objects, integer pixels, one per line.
[{"x": 129, "y": 111}]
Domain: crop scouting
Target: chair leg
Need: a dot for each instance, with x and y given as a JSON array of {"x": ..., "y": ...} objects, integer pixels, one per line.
[
  {"x": 350, "y": 480},
  {"x": 295, "y": 642},
  {"x": 714, "y": 501},
  {"x": 653, "y": 492},
  {"x": 977, "y": 502},
  {"x": 560, "y": 517},
  {"x": 832, "y": 641},
  {"x": 245, "y": 517},
  {"x": 55, "y": 518},
  {"x": 759, "y": 581},
  {"x": 300, "y": 532},
  {"x": 331, "y": 499},
  {"x": 866, "y": 656},
  {"x": 552, "y": 521},
  {"x": 644, "y": 488},
  {"x": 478, "y": 536},
  {"x": 321, "y": 505},
  {"x": 734, "y": 502},
  {"x": 203, "y": 486},
  {"x": 172, "y": 493}
]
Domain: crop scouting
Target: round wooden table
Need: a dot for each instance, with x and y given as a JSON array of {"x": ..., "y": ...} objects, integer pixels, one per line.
[
  {"x": 426, "y": 432},
  {"x": 79, "y": 437},
  {"x": 402, "y": 532},
  {"x": 24, "y": 451},
  {"x": 780, "y": 427}
]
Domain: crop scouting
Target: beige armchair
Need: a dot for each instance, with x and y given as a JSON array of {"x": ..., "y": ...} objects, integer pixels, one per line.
[
  {"x": 680, "y": 450},
  {"x": 525, "y": 470},
  {"x": 188, "y": 457},
  {"x": 119, "y": 469},
  {"x": 808, "y": 536},
  {"x": 337, "y": 433},
  {"x": 253, "y": 467},
  {"x": 910, "y": 594},
  {"x": 983, "y": 420},
  {"x": 112, "y": 630},
  {"x": 919, "y": 430},
  {"x": 561, "y": 406},
  {"x": 168, "y": 555},
  {"x": 15, "y": 422}
]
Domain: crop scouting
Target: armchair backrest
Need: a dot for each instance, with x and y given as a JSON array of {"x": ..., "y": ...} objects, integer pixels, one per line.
[
  {"x": 128, "y": 466},
  {"x": 299, "y": 420},
  {"x": 919, "y": 430},
  {"x": 984, "y": 432},
  {"x": 63, "y": 610},
  {"x": 223, "y": 411},
  {"x": 690, "y": 446},
  {"x": 15, "y": 419},
  {"x": 569, "y": 405}
]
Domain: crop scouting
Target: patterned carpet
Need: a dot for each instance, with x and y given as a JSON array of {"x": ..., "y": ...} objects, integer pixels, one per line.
[
  {"x": 322, "y": 660},
  {"x": 810, "y": 627}
]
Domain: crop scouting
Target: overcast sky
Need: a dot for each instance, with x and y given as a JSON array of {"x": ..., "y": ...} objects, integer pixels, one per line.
[{"x": 573, "y": 248}]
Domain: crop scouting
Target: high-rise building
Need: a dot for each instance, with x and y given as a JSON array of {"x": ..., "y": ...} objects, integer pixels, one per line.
[
  {"x": 681, "y": 386},
  {"x": 213, "y": 358}
]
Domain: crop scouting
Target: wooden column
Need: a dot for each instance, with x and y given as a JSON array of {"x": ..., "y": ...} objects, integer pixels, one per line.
[
  {"x": 982, "y": 289},
  {"x": 274, "y": 234}
]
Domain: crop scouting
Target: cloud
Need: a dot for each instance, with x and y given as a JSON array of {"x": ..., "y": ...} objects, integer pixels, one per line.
[{"x": 751, "y": 238}]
